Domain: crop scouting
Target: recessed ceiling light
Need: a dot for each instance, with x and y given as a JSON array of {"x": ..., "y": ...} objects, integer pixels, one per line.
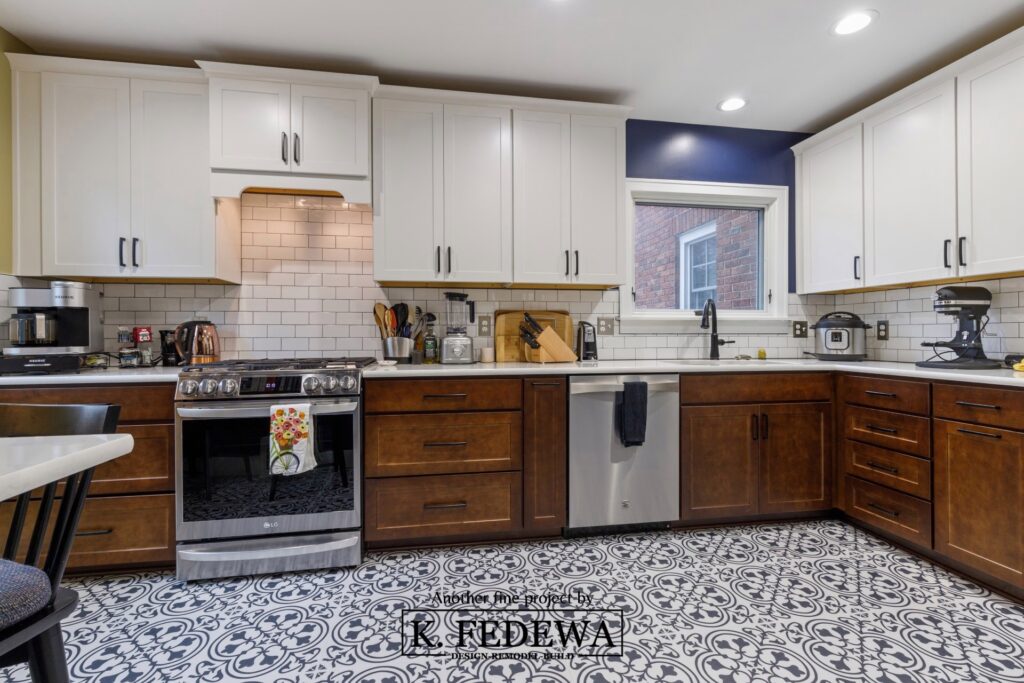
[
  {"x": 732, "y": 104},
  {"x": 853, "y": 22}
]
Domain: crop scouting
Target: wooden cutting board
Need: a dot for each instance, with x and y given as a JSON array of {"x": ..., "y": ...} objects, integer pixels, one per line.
[{"x": 510, "y": 348}]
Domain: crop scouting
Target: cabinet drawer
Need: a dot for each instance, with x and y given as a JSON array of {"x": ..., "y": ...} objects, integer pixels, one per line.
[
  {"x": 888, "y": 394},
  {"x": 996, "y": 407},
  {"x": 762, "y": 387},
  {"x": 114, "y": 531},
  {"x": 398, "y": 445},
  {"x": 145, "y": 403},
  {"x": 149, "y": 468},
  {"x": 907, "y": 433},
  {"x": 897, "y": 471},
  {"x": 433, "y": 395},
  {"x": 447, "y": 505},
  {"x": 899, "y": 514}
]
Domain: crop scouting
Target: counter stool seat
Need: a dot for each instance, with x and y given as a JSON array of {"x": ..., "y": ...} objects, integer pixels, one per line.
[{"x": 24, "y": 590}]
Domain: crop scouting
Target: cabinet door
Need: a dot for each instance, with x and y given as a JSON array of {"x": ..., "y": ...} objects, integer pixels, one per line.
[
  {"x": 477, "y": 194},
  {"x": 719, "y": 453},
  {"x": 544, "y": 453},
  {"x": 250, "y": 128},
  {"x": 541, "y": 175},
  {"x": 831, "y": 221},
  {"x": 598, "y": 200},
  {"x": 330, "y": 130},
  {"x": 408, "y": 185},
  {"x": 990, "y": 145},
  {"x": 172, "y": 210},
  {"x": 979, "y": 498},
  {"x": 910, "y": 190},
  {"x": 86, "y": 175},
  {"x": 796, "y": 458}
]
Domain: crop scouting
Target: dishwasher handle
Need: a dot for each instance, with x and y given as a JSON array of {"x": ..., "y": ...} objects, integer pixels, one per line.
[{"x": 612, "y": 386}]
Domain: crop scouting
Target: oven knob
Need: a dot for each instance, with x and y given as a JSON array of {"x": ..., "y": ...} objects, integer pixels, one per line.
[
  {"x": 330, "y": 383},
  {"x": 208, "y": 387},
  {"x": 348, "y": 382},
  {"x": 228, "y": 386},
  {"x": 189, "y": 387},
  {"x": 311, "y": 384}
]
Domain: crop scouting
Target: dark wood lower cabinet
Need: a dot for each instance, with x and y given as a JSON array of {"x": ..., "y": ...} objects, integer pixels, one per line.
[
  {"x": 718, "y": 461},
  {"x": 979, "y": 498},
  {"x": 545, "y": 445},
  {"x": 796, "y": 458}
]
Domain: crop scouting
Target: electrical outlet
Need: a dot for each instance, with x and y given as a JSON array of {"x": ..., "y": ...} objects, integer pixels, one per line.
[
  {"x": 606, "y": 326},
  {"x": 483, "y": 326},
  {"x": 882, "y": 330},
  {"x": 800, "y": 329}
]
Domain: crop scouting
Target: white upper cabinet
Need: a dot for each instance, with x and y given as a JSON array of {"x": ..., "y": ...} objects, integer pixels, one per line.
[
  {"x": 598, "y": 199},
  {"x": 86, "y": 175},
  {"x": 172, "y": 211},
  {"x": 329, "y": 130},
  {"x": 541, "y": 196},
  {"x": 910, "y": 189},
  {"x": 250, "y": 124},
  {"x": 990, "y": 145},
  {"x": 477, "y": 193},
  {"x": 408, "y": 182},
  {"x": 830, "y": 186}
]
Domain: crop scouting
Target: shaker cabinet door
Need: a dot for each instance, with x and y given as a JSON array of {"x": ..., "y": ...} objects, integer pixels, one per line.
[
  {"x": 796, "y": 457},
  {"x": 330, "y": 130},
  {"x": 86, "y": 175},
  {"x": 250, "y": 127},
  {"x": 719, "y": 461},
  {"x": 598, "y": 200}
]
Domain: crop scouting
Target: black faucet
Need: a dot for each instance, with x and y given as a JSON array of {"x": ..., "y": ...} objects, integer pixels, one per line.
[{"x": 712, "y": 310}]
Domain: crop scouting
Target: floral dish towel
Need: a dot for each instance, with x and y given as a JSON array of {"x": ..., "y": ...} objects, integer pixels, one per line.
[{"x": 291, "y": 436}]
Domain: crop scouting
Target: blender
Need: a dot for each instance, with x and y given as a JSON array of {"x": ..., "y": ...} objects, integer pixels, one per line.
[{"x": 457, "y": 346}]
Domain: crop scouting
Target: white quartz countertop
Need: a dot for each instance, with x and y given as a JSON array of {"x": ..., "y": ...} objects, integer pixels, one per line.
[
  {"x": 27, "y": 462},
  {"x": 1005, "y": 377},
  {"x": 105, "y": 376}
]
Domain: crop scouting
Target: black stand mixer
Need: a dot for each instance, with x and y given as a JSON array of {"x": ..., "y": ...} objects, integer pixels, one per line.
[{"x": 970, "y": 305}]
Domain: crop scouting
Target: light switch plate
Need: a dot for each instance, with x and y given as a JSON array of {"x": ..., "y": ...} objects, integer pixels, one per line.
[
  {"x": 606, "y": 326},
  {"x": 882, "y": 330},
  {"x": 483, "y": 326},
  {"x": 800, "y": 329}
]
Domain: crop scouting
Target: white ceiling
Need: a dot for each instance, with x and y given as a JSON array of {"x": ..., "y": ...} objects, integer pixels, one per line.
[{"x": 672, "y": 60}]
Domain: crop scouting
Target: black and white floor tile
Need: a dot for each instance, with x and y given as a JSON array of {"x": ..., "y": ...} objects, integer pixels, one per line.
[{"x": 771, "y": 603}]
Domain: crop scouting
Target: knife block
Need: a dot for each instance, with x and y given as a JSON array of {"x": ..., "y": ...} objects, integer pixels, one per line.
[{"x": 552, "y": 349}]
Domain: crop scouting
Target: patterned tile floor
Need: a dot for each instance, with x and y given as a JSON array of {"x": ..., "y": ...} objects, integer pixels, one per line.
[{"x": 778, "y": 603}]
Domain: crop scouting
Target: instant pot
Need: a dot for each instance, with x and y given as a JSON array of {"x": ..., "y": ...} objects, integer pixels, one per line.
[{"x": 839, "y": 335}]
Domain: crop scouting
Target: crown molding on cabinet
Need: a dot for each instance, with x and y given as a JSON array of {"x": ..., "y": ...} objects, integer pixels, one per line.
[
  {"x": 273, "y": 73},
  {"x": 93, "y": 67},
  {"x": 400, "y": 92}
]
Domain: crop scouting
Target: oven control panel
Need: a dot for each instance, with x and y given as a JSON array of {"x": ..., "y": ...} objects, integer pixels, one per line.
[{"x": 245, "y": 385}]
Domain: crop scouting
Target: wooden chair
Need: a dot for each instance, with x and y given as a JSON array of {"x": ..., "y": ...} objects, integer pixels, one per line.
[{"x": 32, "y": 602}]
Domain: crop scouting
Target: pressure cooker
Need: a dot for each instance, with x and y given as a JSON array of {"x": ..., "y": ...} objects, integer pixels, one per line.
[{"x": 839, "y": 335}]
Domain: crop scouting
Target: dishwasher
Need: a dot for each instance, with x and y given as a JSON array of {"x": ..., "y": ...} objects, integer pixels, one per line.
[{"x": 611, "y": 484}]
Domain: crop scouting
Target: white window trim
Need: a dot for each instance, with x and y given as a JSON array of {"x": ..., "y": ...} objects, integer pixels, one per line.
[
  {"x": 772, "y": 199},
  {"x": 685, "y": 240}
]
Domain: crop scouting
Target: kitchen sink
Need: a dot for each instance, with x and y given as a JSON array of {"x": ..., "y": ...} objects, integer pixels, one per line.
[{"x": 726, "y": 361}]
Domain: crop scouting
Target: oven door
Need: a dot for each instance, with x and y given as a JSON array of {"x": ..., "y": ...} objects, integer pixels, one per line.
[{"x": 224, "y": 486}]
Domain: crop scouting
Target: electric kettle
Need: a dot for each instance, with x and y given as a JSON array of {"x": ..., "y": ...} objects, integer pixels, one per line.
[{"x": 197, "y": 342}]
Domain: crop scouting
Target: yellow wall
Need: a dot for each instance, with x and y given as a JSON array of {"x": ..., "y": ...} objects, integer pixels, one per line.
[{"x": 8, "y": 43}]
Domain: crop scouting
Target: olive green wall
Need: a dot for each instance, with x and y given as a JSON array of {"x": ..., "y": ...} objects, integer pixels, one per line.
[{"x": 8, "y": 43}]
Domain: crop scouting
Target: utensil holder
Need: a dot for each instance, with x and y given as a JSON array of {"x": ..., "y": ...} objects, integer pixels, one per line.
[{"x": 397, "y": 349}]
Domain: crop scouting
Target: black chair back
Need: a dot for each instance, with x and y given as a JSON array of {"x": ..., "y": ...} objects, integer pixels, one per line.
[{"x": 53, "y": 420}]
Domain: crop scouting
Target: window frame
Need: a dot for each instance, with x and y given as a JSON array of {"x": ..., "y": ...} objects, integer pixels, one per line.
[
  {"x": 773, "y": 200},
  {"x": 686, "y": 241}
]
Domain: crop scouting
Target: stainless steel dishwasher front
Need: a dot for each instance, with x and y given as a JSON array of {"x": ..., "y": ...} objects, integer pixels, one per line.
[{"x": 611, "y": 484}]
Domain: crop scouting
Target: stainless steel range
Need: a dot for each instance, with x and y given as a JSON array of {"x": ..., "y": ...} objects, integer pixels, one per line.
[{"x": 234, "y": 517}]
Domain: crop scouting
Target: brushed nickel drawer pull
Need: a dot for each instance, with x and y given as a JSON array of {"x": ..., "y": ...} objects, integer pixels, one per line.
[
  {"x": 984, "y": 406},
  {"x": 884, "y": 430},
  {"x": 438, "y": 396},
  {"x": 884, "y": 511},
  {"x": 882, "y": 394},
  {"x": 444, "y": 444},
  {"x": 444, "y": 506},
  {"x": 884, "y": 468},
  {"x": 971, "y": 432},
  {"x": 94, "y": 532}
]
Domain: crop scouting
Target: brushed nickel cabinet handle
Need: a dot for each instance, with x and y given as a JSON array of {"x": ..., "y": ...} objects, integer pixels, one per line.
[
  {"x": 884, "y": 511},
  {"x": 284, "y": 147},
  {"x": 444, "y": 506},
  {"x": 295, "y": 149}
]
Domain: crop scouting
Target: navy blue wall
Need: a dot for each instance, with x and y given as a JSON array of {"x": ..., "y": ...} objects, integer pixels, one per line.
[{"x": 680, "y": 151}]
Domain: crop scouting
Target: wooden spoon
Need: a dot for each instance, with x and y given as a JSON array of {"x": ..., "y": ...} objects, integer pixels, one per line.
[{"x": 379, "y": 315}]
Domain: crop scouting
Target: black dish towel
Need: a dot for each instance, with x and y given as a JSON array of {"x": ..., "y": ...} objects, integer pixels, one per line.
[{"x": 631, "y": 409}]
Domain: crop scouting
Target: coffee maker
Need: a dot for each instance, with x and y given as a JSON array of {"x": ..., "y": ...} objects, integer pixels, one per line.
[
  {"x": 970, "y": 306},
  {"x": 64, "y": 318}
]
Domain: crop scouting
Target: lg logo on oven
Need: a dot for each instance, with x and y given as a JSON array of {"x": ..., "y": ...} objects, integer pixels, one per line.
[{"x": 271, "y": 525}]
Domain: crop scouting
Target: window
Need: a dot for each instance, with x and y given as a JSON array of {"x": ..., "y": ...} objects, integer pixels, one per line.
[{"x": 692, "y": 242}]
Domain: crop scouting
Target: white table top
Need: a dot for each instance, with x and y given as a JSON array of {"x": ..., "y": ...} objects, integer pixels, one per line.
[{"x": 27, "y": 462}]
